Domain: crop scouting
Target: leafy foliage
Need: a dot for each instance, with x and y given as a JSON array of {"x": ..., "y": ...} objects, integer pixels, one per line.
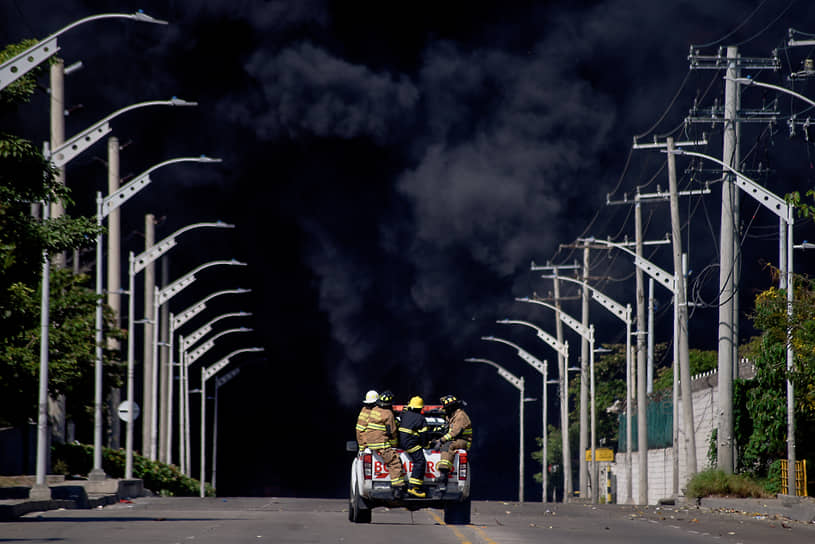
[
  {"x": 22, "y": 89},
  {"x": 761, "y": 424},
  {"x": 26, "y": 178},
  {"x": 716, "y": 482},
  {"x": 160, "y": 478}
]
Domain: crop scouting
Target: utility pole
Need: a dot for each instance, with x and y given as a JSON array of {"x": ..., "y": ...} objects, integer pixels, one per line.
[
  {"x": 114, "y": 296},
  {"x": 56, "y": 406},
  {"x": 147, "y": 358},
  {"x": 165, "y": 360},
  {"x": 563, "y": 369},
  {"x": 585, "y": 382},
  {"x": 642, "y": 395},
  {"x": 645, "y": 349},
  {"x": 731, "y": 116},
  {"x": 564, "y": 403},
  {"x": 727, "y": 268},
  {"x": 681, "y": 306}
]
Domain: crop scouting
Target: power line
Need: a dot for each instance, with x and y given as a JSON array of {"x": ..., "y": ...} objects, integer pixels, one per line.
[{"x": 738, "y": 27}]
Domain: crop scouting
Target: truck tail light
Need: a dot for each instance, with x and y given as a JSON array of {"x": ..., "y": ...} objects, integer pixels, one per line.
[
  {"x": 366, "y": 466},
  {"x": 462, "y": 466}
]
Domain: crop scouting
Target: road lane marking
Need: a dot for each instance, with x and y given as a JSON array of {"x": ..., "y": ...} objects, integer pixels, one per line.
[
  {"x": 462, "y": 537},
  {"x": 483, "y": 534},
  {"x": 456, "y": 532}
]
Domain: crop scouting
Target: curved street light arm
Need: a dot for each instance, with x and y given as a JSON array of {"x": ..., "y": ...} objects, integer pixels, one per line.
[
  {"x": 198, "y": 334},
  {"x": 214, "y": 369},
  {"x": 570, "y": 321},
  {"x": 178, "y": 285},
  {"x": 80, "y": 142},
  {"x": 200, "y": 306},
  {"x": 562, "y": 348},
  {"x": 769, "y": 200},
  {"x": 123, "y": 194},
  {"x": 750, "y": 82},
  {"x": 22, "y": 63},
  {"x": 504, "y": 373},
  {"x": 523, "y": 354},
  {"x": 150, "y": 254},
  {"x": 622, "y": 312},
  {"x": 199, "y": 352},
  {"x": 661, "y": 276}
]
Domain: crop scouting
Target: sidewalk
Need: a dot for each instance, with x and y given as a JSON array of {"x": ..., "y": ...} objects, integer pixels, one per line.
[{"x": 69, "y": 494}]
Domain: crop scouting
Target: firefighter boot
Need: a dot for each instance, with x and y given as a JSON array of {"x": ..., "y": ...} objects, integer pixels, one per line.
[
  {"x": 442, "y": 481},
  {"x": 398, "y": 492},
  {"x": 417, "y": 491}
]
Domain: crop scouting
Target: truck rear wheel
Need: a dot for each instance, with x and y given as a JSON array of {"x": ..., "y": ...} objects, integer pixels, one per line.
[
  {"x": 357, "y": 510},
  {"x": 457, "y": 513}
]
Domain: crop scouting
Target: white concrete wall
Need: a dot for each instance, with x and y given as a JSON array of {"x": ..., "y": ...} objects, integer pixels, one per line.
[{"x": 660, "y": 461}]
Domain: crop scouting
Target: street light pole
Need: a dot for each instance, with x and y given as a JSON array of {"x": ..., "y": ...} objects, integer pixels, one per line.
[
  {"x": 40, "y": 489},
  {"x": 59, "y": 157},
  {"x": 588, "y": 334},
  {"x": 136, "y": 265},
  {"x": 161, "y": 296},
  {"x": 184, "y": 391},
  {"x": 176, "y": 321},
  {"x": 624, "y": 314},
  {"x": 785, "y": 212},
  {"x": 207, "y": 373},
  {"x": 518, "y": 383},
  {"x": 562, "y": 348}
]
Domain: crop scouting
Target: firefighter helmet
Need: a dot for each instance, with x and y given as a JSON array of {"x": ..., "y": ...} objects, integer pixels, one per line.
[
  {"x": 371, "y": 397},
  {"x": 416, "y": 403},
  {"x": 449, "y": 402},
  {"x": 385, "y": 399},
  {"x": 448, "y": 399}
]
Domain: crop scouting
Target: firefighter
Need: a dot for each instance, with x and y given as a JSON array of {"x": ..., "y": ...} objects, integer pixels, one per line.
[
  {"x": 413, "y": 439},
  {"x": 459, "y": 435},
  {"x": 362, "y": 420},
  {"x": 381, "y": 436}
]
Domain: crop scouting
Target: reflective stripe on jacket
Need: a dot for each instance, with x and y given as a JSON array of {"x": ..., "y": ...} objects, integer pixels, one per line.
[
  {"x": 362, "y": 424},
  {"x": 460, "y": 428},
  {"x": 412, "y": 431},
  {"x": 381, "y": 429}
]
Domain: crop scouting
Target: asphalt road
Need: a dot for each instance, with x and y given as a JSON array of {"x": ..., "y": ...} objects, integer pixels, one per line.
[{"x": 288, "y": 520}]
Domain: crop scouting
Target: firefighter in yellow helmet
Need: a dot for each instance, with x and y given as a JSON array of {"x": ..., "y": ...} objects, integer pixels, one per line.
[
  {"x": 413, "y": 439},
  {"x": 381, "y": 436},
  {"x": 362, "y": 419},
  {"x": 459, "y": 436}
]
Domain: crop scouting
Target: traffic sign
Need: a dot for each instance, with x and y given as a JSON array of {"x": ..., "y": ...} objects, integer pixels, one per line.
[{"x": 125, "y": 411}]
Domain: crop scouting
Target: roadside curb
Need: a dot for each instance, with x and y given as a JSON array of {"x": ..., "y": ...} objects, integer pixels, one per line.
[
  {"x": 72, "y": 496},
  {"x": 794, "y": 508}
]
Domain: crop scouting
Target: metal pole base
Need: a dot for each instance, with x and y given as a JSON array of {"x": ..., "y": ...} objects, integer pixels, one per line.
[
  {"x": 97, "y": 475},
  {"x": 39, "y": 492}
]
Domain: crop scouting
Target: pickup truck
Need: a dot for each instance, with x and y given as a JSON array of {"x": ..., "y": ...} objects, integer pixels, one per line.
[{"x": 371, "y": 486}]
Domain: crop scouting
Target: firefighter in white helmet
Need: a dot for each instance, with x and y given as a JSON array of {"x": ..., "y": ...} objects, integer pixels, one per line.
[{"x": 362, "y": 420}]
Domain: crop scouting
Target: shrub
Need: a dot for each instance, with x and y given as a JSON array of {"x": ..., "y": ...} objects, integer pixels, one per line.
[
  {"x": 716, "y": 482},
  {"x": 160, "y": 478}
]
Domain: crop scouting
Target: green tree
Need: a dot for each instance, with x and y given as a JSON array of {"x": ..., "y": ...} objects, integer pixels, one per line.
[
  {"x": 27, "y": 177},
  {"x": 761, "y": 415}
]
